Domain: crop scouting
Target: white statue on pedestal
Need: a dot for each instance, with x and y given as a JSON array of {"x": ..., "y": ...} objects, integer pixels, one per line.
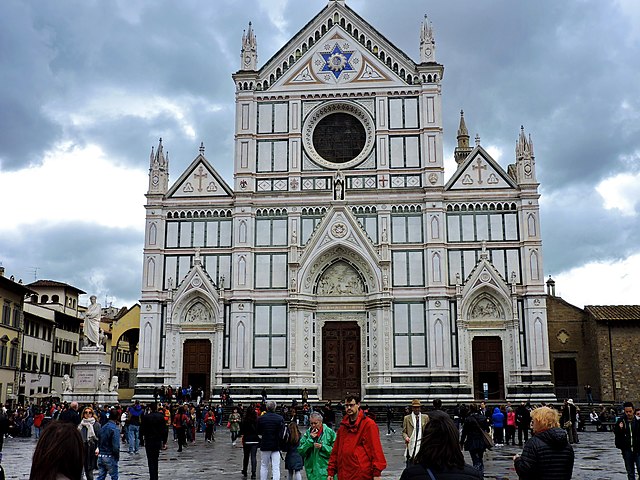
[
  {"x": 66, "y": 383},
  {"x": 102, "y": 383},
  {"x": 92, "y": 322},
  {"x": 114, "y": 384}
]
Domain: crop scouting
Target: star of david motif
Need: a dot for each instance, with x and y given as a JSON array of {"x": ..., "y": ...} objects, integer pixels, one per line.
[{"x": 337, "y": 61}]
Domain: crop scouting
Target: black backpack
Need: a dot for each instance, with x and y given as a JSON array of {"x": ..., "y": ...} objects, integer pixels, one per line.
[{"x": 283, "y": 436}]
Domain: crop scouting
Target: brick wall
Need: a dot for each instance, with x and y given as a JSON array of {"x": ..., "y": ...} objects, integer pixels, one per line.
[
  {"x": 570, "y": 338},
  {"x": 625, "y": 346}
]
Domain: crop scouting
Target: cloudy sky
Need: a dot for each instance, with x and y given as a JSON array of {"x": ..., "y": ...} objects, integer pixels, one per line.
[{"x": 88, "y": 87}]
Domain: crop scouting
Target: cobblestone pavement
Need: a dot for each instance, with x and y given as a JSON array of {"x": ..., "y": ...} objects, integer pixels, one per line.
[{"x": 596, "y": 459}]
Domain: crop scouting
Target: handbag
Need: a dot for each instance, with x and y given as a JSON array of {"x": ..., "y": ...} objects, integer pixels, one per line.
[
  {"x": 488, "y": 441},
  {"x": 228, "y": 424},
  {"x": 486, "y": 438},
  {"x": 567, "y": 424}
]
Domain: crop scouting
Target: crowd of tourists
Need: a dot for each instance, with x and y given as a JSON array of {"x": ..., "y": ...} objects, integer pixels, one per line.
[{"x": 326, "y": 440}]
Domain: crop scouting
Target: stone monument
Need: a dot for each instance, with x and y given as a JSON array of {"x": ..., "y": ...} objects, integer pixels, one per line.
[{"x": 92, "y": 371}]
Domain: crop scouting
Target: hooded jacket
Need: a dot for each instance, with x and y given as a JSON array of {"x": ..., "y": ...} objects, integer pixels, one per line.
[
  {"x": 497, "y": 419},
  {"x": 135, "y": 413},
  {"x": 546, "y": 455},
  {"x": 357, "y": 453}
]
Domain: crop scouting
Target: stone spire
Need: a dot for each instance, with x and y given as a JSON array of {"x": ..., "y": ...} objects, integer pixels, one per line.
[
  {"x": 463, "y": 149},
  {"x": 427, "y": 42},
  {"x": 249, "y": 53},
  {"x": 525, "y": 159},
  {"x": 158, "y": 170}
]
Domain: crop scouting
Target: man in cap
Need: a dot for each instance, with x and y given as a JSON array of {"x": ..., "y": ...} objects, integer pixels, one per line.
[{"x": 412, "y": 429}]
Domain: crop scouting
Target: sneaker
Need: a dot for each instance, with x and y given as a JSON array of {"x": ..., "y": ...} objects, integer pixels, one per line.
[
  {"x": 388, "y": 434},
  {"x": 209, "y": 441},
  {"x": 233, "y": 444}
]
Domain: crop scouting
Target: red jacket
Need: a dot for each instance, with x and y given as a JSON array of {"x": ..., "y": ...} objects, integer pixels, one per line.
[{"x": 357, "y": 453}]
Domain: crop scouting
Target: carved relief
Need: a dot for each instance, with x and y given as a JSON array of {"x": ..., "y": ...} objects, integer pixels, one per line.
[
  {"x": 340, "y": 279},
  {"x": 198, "y": 313},
  {"x": 486, "y": 307}
]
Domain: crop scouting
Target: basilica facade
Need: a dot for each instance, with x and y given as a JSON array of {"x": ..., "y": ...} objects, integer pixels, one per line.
[{"x": 342, "y": 259}]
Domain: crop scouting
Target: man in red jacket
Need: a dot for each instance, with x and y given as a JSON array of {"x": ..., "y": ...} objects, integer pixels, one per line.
[{"x": 357, "y": 453}]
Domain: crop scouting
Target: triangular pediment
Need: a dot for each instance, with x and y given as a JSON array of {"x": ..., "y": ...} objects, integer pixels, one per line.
[
  {"x": 196, "y": 301},
  {"x": 197, "y": 279},
  {"x": 200, "y": 179},
  {"x": 339, "y": 227},
  {"x": 480, "y": 171},
  {"x": 485, "y": 276},
  {"x": 339, "y": 236},
  {"x": 337, "y": 48},
  {"x": 338, "y": 61}
]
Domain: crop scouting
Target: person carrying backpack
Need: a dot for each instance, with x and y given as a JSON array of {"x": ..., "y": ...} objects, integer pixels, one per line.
[{"x": 293, "y": 460}]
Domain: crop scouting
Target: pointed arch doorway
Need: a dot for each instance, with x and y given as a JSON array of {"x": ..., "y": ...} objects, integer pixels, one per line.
[
  {"x": 488, "y": 368},
  {"x": 340, "y": 360}
]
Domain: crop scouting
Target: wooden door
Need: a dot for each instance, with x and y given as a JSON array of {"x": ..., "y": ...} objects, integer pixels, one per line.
[
  {"x": 196, "y": 365},
  {"x": 487, "y": 367},
  {"x": 565, "y": 372},
  {"x": 340, "y": 360}
]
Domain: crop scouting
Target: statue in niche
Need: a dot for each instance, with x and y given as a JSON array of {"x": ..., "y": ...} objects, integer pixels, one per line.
[
  {"x": 338, "y": 186},
  {"x": 485, "y": 308},
  {"x": 340, "y": 279}
]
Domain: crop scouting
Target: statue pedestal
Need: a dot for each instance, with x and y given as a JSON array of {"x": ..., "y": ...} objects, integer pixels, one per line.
[{"x": 91, "y": 378}]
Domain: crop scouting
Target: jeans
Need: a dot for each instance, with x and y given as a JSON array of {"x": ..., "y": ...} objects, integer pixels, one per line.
[
  {"x": 476, "y": 460},
  {"x": 250, "y": 450},
  {"x": 134, "y": 438},
  {"x": 631, "y": 463},
  {"x": 37, "y": 431},
  {"x": 267, "y": 458},
  {"x": 107, "y": 465}
]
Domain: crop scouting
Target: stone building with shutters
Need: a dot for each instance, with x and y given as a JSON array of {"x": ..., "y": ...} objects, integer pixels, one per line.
[{"x": 341, "y": 259}]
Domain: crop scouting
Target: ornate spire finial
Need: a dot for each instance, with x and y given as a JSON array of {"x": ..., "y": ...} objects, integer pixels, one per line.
[
  {"x": 249, "y": 52},
  {"x": 477, "y": 140},
  {"x": 427, "y": 42},
  {"x": 201, "y": 148},
  {"x": 463, "y": 149}
]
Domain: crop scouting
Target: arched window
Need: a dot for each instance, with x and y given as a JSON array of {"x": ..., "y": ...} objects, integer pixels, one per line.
[
  {"x": 55, "y": 299},
  {"x": 44, "y": 299}
]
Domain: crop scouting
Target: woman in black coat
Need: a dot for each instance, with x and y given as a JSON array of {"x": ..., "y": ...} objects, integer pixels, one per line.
[
  {"x": 547, "y": 454},
  {"x": 473, "y": 439},
  {"x": 440, "y": 457},
  {"x": 250, "y": 440}
]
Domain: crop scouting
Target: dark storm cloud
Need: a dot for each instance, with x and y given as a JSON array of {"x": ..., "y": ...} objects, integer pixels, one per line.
[
  {"x": 83, "y": 71},
  {"x": 99, "y": 260}
]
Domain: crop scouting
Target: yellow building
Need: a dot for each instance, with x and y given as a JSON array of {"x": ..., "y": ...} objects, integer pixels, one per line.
[
  {"x": 125, "y": 333},
  {"x": 12, "y": 301}
]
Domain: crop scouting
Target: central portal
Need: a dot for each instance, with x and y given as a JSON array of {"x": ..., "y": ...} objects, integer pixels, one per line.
[
  {"x": 487, "y": 368},
  {"x": 196, "y": 365},
  {"x": 340, "y": 360}
]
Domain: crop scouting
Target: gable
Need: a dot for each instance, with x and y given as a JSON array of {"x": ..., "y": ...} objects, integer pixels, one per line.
[
  {"x": 480, "y": 172},
  {"x": 200, "y": 179},
  {"x": 338, "y": 60},
  {"x": 363, "y": 56}
]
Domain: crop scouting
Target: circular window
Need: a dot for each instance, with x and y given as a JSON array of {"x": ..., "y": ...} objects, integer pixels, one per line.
[{"x": 339, "y": 135}]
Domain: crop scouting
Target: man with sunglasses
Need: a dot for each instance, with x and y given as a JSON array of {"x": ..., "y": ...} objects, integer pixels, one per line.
[{"x": 357, "y": 453}]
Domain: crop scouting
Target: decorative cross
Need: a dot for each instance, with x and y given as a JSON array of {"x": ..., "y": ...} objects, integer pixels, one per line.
[
  {"x": 383, "y": 181},
  {"x": 202, "y": 174},
  {"x": 479, "y": 167}
]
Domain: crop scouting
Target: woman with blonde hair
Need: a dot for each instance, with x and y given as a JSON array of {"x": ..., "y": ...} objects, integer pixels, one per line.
[
  {"x": 547, "y": 454},
  {"x": 89, "y": 431}
]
